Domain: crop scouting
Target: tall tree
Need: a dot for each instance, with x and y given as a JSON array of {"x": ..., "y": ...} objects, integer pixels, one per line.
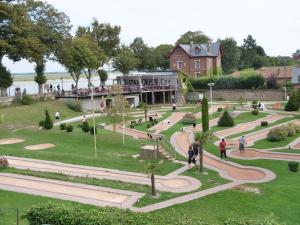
[
  {"x": 205, "y": 117},
  {"x": 49, "y": 28},
  {"x": 144, "y": 54},
  {"x": 103, "y": 77},
  {"x": 6, "y": 80},
  {"x": 161, "y": 56},
  {"x": 193, "y": 36},
  {"x": 230, "y": 55},
  {"x": 125, "y": 61}
]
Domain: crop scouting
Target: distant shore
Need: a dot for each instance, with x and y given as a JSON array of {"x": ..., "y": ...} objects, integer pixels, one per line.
[{"x": 50, "y": 76}]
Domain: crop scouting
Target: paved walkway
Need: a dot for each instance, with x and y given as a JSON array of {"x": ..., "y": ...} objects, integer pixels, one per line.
[
  {"x": 170, "y": 183},
  {"x": 86, "y": 194},
  {"x": 168, "y": 122}
]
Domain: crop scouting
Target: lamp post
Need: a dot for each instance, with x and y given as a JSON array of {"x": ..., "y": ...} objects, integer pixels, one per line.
[
  {"x": 211, "y": 100},
  {"x": 62, "y": 83},
  {"x": 284, "y": 88}
]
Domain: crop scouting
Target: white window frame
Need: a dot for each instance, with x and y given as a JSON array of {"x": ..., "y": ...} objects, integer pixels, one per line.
[
  {"x": 196, "y": 62},
  {"x": 179, "y": 62}
]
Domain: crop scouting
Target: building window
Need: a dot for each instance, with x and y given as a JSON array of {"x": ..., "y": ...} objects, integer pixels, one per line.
[
  {"x": 197, "y": 74},
  {"x": 179, "y": 64},
  {"x": 197, "y": 64}
]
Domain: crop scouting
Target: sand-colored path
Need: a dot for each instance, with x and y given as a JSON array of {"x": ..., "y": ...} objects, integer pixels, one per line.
[
  {"x": 168, "y": 122},
  {"x": 228, "y": 170},
  {"x": 169, "y": 183},
  {"x": 39, "y": 146},
  {"x": 247, "y": 126},
  {"x": 260, "y": 154},
  {"x": 130, "y": 132},
  {"x": 9, "y": 141},
  {"x": 86, "y": 194}
]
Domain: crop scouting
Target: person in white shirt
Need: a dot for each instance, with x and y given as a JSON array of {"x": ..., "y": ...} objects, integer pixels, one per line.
[
  {"x": 57, "y": 116},
  {"x": 242, "y": 143}
]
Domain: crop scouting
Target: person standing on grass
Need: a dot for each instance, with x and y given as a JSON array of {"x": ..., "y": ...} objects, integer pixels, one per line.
[
  {"x": 222, "y": 147},
  {"x": 242, "y": 143},
  {"x": 57, "y": 116}
]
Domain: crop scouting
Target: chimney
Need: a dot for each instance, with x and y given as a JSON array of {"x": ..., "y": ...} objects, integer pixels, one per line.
[
  {"x": 208, "y": 46},
  {"x": 191, "y": 46}
]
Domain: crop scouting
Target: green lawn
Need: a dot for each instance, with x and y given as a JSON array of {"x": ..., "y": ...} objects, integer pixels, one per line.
[{"x": 265, "y": 143}]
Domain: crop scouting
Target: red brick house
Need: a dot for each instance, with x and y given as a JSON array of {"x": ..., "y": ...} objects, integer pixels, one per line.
[{"x": 196, "y": 59}]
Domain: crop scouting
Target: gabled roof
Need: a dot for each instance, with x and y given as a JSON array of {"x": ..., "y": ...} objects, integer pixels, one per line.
[{"x": 204, "y": 49}]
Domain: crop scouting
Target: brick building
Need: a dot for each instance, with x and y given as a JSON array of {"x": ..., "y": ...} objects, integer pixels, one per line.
[{"x": 196, "y": 59}]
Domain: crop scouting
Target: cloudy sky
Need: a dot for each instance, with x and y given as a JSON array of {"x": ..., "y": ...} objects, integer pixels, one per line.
[{"x": 275, "y": 24}]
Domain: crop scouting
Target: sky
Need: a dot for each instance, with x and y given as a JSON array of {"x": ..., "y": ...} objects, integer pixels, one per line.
[{"x": 275, "y": 24}]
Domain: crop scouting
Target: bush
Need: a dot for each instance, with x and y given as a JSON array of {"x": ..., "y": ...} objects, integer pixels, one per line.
[
  {"x": 188, "y": 119},
  {"x": 155, "y": 121},
  {"x": 63, "y": 126},
  {"x": 277, "y": 134},
  {"x": 27, "y": 100},
  {"x": 3, "y": 162},
  {"x": 292, "y": 104},
  {"x": 69, "y": 128},
  {"x": 255, "y": 112},
  {"x": 220, "y": 109},
  {"x": 295, "y": 127},
  {"x": 293, "y": 166},
  {"x": 17, "y": 100},
  {"x": 42, "y": 123},
  {"x": 148, "y": 125},
  {"x": 290, "y": 130},
  {"x": 85, "y": 126},
  {"x": 131, "y": 126},
  {"x": 264, "y": 123},
  {"x": 48, "y": 124},
  {"x": 226, "y": 120},
  {"x": 74, "y": 105},
  {"x": 92, "y": 130}
]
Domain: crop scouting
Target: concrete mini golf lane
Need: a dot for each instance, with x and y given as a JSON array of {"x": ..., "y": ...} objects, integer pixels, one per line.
[
  {"x": 228, "y": 170},
  {"x": 260, "y": 154},
  {"x": 173, "y": 119},
  {"x": 174, "y": 183},
  {"x": 86, "y": 194},
  {"x": 9, "y": 141}
]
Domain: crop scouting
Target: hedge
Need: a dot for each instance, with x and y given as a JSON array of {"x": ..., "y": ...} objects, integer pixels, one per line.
[
  {"x": 228, "y": 82},
  {"x": 67, "y": 214}
]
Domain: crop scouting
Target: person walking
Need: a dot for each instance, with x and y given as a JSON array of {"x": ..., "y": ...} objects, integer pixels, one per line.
[
  {"x": 222, "y": 147},
  {"x": 242, "y": 143},
  {"x": 57, "y": 116},
  {"x": 190, "y": 155}
]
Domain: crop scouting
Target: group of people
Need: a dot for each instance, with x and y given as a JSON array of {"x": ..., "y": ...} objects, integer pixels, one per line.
[
  {"x": 18, "y": 92},
  {"x": 194, "y": 150},
  {"x": 52, "y": 88}
]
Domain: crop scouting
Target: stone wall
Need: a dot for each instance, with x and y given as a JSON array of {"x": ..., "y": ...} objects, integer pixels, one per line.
[{"x": 260, "y": 95}]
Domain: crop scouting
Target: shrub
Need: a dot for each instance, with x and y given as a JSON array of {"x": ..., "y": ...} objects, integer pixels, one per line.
[
  {"x": 148, "y": 125},
  {"x": 48, "y": 124},
  {"x": 42, "y": 123},
  {"x": 226, "y": 120},
  {"x": 63, "y": 126},
  {"x": 264, "y": 123},
  {"x": 155, "y": 121},
  {"x": 293, "y": 166},
  {"x": 295, "y": 127},
  {"x": 131, "y": 126},
  {"x": 277, "y": 134},
  {"x": 220, "y": 109},
  {"x": 85, "y": 126},
  {"x": 188, "y": 119},
  {"x": 92, "y": 130},
  {"x": 17, "y": 100},
  {"x": 290, "y": 130},
  {"x": 74, "y": 105},
  {"x": 69, "y": 128},
  {"x": 3, "y": 162},
  {"x": 27, "y": 100},
  {"x": 254, "y": 102},
  {"x": 255, "y": 112},
  {"x": 292, "y": 104}
]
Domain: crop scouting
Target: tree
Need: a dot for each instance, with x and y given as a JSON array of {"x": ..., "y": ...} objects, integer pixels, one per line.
[
  {"x": 292, "y": 104},
  {"x": 49, "y": 28},
  {"x": 125, "y": 61},
  {"x": 272, "y": 81},
  {"x": 205, "y": 117},
  {"x": 161, "y": 56},
  {"x": 152, "y": 167},
  {"x": 226, "y": 120},
  {"x": 202, "y": 138},
  {"x": 48, "y": 124},
  {"x": 144, "y": 54},
  {"x": 230, "y": 55},
  {"x": 144, "y": 106},
  {"x": 103, "y": 77},
  {"x": 6, "y": 80},
  {"x": 193, "y": 36}
]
